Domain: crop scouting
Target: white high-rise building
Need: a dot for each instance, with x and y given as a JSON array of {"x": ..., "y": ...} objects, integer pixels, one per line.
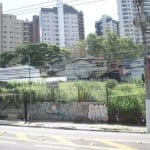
[
  {"x": 146, "y": 6},
  {"x": 106, "y": 24},
  {"x": 50, "y": 26},
  {"x": 126, "y": 12}
]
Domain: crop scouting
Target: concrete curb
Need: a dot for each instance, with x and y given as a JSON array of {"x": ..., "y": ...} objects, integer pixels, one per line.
[{"x": 79, "y": 126}]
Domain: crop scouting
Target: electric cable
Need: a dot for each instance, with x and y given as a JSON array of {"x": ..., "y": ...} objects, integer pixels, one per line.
[
  {"x": 29, "y": 6},
  {"x": 27, "y": 11}
]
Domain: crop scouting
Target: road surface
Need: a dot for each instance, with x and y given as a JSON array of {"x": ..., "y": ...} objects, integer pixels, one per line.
[{"x": 27, "y": 138}]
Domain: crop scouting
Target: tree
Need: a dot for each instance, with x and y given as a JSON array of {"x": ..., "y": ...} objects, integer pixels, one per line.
[
  {"x": 94, "y": 45},
  {"x": 117, "y": 49},
  {"x": 41, "y": 54},
  {"x": 36, "y": 52},
  {"x": 77, "y": 51},
  {"x": 6, "y": 59},
  {"x": 129, "y": 49},
  {"x": 56, "y": 55},
  {"x": 111, "y": 49}
]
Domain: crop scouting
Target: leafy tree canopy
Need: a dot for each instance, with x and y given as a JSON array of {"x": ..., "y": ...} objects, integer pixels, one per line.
[
  {"x": 7, "y": 58},
  {"x": 94, "y": 45},
  {"x": 113, "y": 48},
  {"x": 39, "y": 53}
]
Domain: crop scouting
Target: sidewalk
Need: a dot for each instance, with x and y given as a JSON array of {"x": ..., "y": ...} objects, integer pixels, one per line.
[{"x": 78, "y": 126}]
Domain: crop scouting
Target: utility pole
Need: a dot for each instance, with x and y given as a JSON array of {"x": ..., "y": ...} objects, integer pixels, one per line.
[
  {"x": 29, "y": 63},
  {"x": 142, "y": 21}
]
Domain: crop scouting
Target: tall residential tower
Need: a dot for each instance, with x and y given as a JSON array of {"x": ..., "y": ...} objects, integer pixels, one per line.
[
  {"x": 54, "y": 31},
  {"x": 106, "y": 24},
  {"x": 127, "y": 12}
]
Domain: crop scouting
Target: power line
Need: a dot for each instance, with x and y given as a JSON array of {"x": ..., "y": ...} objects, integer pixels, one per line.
[
  {"x": 28, "y": 10},
  {"x": 66, "y": 3},
  {"x": 87, "y": 2},
  {"x": 52, "y": 5},
  {"x": 33, "y": 6},
  {"x": 29, "y": 6}
]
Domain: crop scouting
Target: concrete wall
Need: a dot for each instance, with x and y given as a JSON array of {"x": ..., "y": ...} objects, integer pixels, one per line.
[
  {"x": 51, "y": 111},
  {"x": 84, "y": 111}
]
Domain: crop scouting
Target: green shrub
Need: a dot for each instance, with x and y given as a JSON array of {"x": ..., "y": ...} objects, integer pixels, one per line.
[
  {"x": 111, "y": 84},
  {"x": 126, "y": 103}
]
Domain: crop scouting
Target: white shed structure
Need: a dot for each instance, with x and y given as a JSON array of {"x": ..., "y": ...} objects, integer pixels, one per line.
[{"x": 18, "y": 72}]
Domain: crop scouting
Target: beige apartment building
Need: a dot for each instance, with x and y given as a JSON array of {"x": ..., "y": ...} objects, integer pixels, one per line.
[
  {"x": 14, "y": 32},
  {"x": 11, "y": 31}
]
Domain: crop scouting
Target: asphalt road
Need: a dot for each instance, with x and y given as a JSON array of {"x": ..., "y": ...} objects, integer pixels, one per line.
[{"x": 25, "y": 138}]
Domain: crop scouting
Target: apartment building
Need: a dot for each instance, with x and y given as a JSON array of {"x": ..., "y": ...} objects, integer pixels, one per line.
[
  {"x": 31, "y": 30},
  {"x": 11, "y": 31},
  {"x": 51, "y": 27},
  {"x": 26, "y": 32},
  {"x": 127, "y": 12},
  {"x": 81, "y": 25},
  {"x": 14, "y": 32},
  {"x": 35, "y": 29},
  {"x": 146, "y": 5},
  {"x": 0, "y": 28},
  {"x": 106, "y": 24}
]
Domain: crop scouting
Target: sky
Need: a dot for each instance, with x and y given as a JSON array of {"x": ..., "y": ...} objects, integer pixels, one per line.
[{"x": 92, "y": 11}]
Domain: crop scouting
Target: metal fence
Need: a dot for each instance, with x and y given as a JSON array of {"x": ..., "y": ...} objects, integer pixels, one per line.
[
  {"x": 127, "y": 107},
  {"x": 10, "y": 107},
  {"x": 124, "y": 108},
  {"x": 77, "y": 94}
]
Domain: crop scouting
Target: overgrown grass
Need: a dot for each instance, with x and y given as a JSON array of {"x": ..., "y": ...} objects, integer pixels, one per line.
[
  {"x": 75, "y": 91},
  {"x": 84, "y": 90},
  {"x": 126, "y": 100},
  {"x": 126, "y": 103}
]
